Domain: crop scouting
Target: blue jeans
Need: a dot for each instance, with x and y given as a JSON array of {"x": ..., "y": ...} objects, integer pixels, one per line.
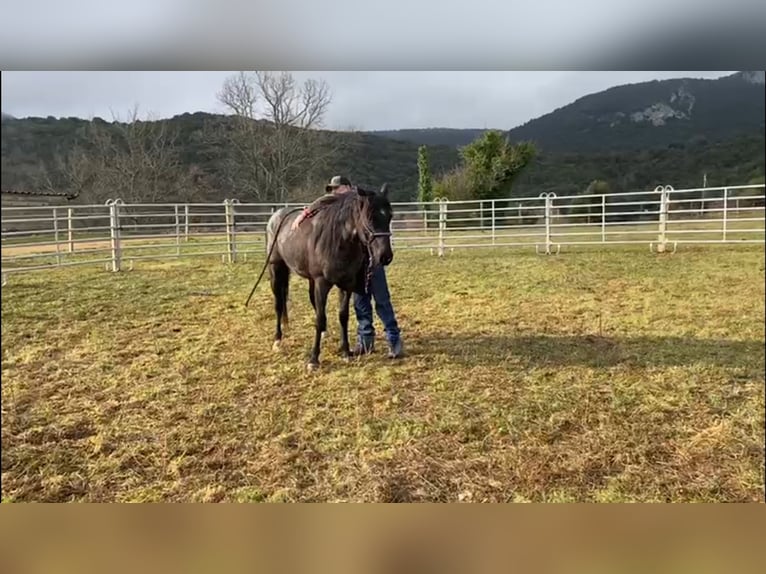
[{"x": 363, "y": 309}]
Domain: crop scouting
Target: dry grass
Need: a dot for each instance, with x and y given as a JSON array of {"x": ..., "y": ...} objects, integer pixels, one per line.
[{"x": 601, "y": 376}]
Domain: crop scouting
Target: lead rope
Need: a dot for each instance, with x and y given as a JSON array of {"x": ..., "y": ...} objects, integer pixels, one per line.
[{"x": 370, "y": 268}]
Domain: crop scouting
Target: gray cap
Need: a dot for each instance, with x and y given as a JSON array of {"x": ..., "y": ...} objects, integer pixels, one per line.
[{"x": 336, "y": 182}]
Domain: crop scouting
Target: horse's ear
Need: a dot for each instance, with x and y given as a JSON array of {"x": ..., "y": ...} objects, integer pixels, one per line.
[
  {"x": 364, "y": 192},
  {"x": 384, "y": 190}
]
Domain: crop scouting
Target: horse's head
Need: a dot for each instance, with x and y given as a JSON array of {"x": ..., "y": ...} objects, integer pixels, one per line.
[{"x": 376, "y": 227}]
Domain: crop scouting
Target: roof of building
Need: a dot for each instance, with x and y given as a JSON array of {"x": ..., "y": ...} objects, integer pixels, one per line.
[{"x": 38, "y": 193}]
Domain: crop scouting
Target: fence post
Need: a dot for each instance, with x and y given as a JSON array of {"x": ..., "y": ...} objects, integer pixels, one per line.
[
  {"x": 114, "y": 232},
  {"x": 493, "y": 221},
  {"x": 442, "y": 224},
  {"x": 233, "y": 203},
  {"x": 56, "y": 234},
  {"x": 70, "y": 229},
  {"x": 186, "y": 222},
  {"x": 725, "y": 210},
  {"x": 603, "y": 219},
  {"x": 227, "y": 212},
  {"x": 662, "y": 241},
  {"x": 178, "y": 231},
  {"x": 548, "y": 196},
  {"x": 231, "y": 240},
  {"x": 547, "y": 224}
]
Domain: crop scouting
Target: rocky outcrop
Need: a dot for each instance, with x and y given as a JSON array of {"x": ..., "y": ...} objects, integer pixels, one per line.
[{"x": 679, "y": 106}]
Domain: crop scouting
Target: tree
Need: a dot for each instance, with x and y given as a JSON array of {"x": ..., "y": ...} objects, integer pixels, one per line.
[
  {"x": 493, "y": 164},
  {"x": 425, "y": 184},
  {"x": 489, "y": 166},
  {"x": 274, "y": 140},
  {"x": 454, "y": 185}
]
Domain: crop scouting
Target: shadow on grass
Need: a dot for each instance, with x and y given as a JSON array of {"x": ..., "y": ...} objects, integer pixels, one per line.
[{"x": 591, "y": 351}]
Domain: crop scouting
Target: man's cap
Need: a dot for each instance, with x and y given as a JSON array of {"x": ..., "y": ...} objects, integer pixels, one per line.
[{"x": 336, "y": 182}]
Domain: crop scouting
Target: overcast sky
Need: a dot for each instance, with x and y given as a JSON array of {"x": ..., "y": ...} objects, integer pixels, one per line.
[{"x": 361, "y": 100}]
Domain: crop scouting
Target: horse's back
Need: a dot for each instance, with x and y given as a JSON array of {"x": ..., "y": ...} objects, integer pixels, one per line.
[
  {"x": 272, "y": 226},
  {"x": 289, "y": 248}
]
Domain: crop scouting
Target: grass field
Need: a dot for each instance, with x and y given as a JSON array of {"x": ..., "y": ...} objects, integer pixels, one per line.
[{"x": 615, "y": 375}]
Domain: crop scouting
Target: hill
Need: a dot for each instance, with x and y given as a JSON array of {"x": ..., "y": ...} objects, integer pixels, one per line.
[
  {"x": 735, "y": 161},
  {"x": 652, "y": 115},
  {"x": 432, "y": 136}
]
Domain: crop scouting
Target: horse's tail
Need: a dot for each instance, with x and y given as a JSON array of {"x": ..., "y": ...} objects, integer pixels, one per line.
[{"x": 269, "y": 253}]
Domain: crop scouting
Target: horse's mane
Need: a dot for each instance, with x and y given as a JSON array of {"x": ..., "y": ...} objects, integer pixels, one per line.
[{"x": 339, "y": 216}]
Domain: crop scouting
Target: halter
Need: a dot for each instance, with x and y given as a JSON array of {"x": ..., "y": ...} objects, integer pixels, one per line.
[{"x": 373, "y": 235}]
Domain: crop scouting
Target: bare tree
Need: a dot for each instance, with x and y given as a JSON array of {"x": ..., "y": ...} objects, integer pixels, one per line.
[
  {"x": 240, "y": 95},
  {"x": 136, "y": 160},
  {"x": 241, "y": 168},
  {"x": 72, "y": 174},
  {"x": 274, "y": 141}
]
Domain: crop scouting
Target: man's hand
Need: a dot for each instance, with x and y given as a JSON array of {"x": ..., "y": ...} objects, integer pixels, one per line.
[{"x": 301, "y": 216}]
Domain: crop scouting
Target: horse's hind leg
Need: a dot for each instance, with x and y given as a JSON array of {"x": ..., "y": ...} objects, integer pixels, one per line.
[
  {"x": 312, "y": 298},
  {"x": 345, "y": 298},
  {"x": 279, "y": 274},
  {"x": 321, "y": 289}
]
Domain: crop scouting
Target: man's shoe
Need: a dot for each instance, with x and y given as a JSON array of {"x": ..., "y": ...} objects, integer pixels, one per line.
[
  {"x": 362, "y": 348},
  {"x": 395, "y": 350}
]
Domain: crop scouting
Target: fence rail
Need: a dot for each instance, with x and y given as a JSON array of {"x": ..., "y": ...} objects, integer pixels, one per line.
[{"x": 41, "y": 237}]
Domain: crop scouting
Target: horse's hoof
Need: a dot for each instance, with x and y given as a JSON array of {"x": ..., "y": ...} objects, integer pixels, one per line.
[
  {"x": 277, "y": 346},
  {"x": 312, "y": 366}
]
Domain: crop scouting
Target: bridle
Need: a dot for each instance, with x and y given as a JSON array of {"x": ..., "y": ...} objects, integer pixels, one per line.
[{"x": 371, "y": 235}]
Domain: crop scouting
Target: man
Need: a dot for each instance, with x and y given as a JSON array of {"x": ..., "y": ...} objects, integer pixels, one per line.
[{"x": 378, "y": 289}]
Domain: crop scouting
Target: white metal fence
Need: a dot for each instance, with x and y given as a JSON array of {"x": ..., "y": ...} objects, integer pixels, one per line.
[{"x": 116, "y": 234}]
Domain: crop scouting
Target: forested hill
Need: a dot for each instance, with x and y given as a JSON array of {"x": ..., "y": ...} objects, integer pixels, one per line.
[
  {"x": 653, "y": 115},
  {"x": 432, "y": 136}
]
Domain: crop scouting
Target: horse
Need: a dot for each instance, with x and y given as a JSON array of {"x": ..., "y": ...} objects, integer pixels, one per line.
[{"x": 337, "y": 246}]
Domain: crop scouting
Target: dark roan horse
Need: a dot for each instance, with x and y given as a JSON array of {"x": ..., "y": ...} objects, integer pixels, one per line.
[{"x": 336, "y": 247}]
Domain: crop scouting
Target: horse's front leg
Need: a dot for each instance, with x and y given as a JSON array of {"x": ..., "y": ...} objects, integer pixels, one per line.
[
  {"x": 345, "y": 298},
  {"x": 321, "y": 289}
]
